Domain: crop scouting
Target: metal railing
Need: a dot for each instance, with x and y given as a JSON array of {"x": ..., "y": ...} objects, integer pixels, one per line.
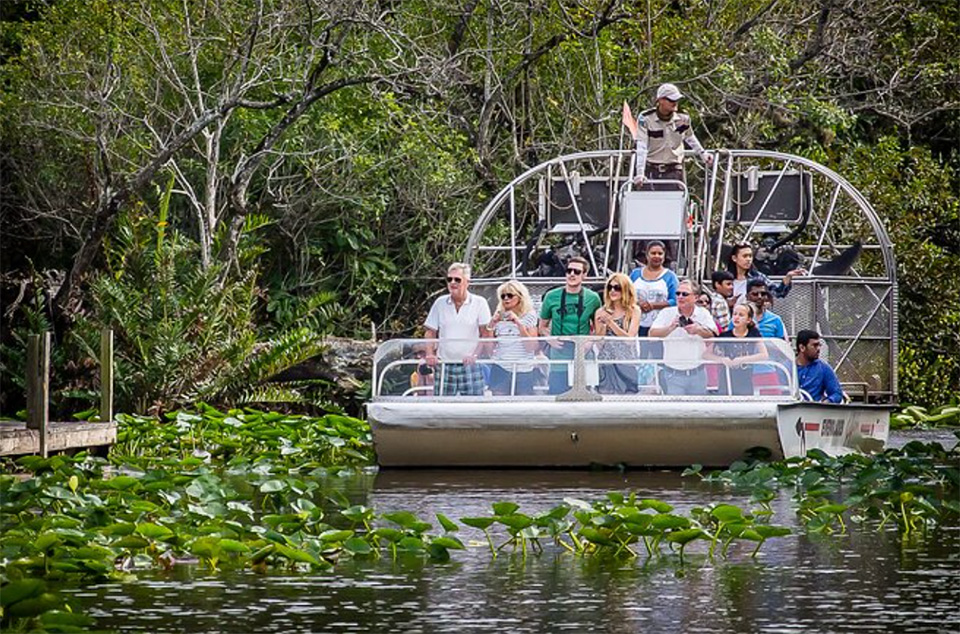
[{"x": 459, "y": 369}]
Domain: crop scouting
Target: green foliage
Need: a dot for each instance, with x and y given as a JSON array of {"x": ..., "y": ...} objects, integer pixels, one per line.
[
  {"x": 72, "y": 360},
  {"x": 249, "y": 434},
  {"x": 617, "y": 525},
  {"x": 373, "y": 189},
  {"x": 918, "y": 199},
  {"x": 914, "y": 416},
  {"x": 914, "y": 487},
  {"x": 184, "y": 332}
]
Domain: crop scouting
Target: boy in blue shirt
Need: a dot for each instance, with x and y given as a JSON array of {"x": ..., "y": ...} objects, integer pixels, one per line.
[{"x": 816, "y": 377}]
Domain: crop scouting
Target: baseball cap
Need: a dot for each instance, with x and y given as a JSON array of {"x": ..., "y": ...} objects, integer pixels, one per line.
[{"x": 669, "y": 91}]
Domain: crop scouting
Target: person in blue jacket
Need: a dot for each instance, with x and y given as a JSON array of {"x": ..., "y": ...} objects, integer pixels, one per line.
[{"x": 816, "y": 377}]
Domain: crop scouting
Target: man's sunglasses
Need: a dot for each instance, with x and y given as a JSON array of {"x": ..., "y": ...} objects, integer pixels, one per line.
[
  {"x": 451, "y": 280},
  {"x": 759, "y": 293},
  {"x": 574, "y": 272},
  {"x": 683, "y": 294},
  {"x": 506, "y": 296}
]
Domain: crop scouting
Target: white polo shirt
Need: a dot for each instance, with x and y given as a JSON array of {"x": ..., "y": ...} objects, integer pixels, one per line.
[
  {"x": 681, "y": 350},
  {"x": 458, "y": 330}
]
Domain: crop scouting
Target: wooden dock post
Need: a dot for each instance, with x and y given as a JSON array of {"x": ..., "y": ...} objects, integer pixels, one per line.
[
  {"x": 38, "y": 386},
  {"x": 106, "y": 375}
]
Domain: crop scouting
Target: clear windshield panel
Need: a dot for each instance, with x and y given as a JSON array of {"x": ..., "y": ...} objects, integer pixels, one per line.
[{"x": 612, "y": 367}]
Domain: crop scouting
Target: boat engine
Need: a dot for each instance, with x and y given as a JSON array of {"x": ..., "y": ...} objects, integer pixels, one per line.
[{"x": 773, "y": 258}]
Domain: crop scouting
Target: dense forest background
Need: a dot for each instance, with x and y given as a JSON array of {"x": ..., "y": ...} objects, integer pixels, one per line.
[{"x": 226, "y": 182}]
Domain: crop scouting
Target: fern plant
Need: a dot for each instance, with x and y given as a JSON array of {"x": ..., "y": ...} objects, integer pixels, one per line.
[{"x": 184, "y": 332}]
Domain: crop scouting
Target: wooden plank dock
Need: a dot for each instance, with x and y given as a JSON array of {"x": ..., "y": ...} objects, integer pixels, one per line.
[
  {"x": 37, "y": 435},
  {"x": 16, "y": 439}
]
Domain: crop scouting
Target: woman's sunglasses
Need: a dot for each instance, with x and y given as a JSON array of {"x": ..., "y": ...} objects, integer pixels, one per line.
[
  {"x": 614, "y": 287},
  {"x": 702, "y": 302},
  {"x": 506, "y": 296}
]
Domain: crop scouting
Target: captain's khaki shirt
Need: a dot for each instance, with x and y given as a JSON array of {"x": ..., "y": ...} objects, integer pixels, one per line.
[{"x": 661, "y": 142}]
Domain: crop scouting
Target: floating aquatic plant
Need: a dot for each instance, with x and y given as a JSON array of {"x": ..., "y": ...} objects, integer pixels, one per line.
[{"x": 913, "y": 487}]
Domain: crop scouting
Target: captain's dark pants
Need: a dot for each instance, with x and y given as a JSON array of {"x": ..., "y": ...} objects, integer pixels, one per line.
[{"x": 660, "y": 172}]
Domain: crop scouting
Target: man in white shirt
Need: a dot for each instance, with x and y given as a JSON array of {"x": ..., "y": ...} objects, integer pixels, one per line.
[
  {"x": 458, "y": 319},
  {"x": 684, "y": 327}
]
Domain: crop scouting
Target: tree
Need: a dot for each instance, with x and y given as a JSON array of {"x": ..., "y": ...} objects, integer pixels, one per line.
[{"x": 157, "y": 83}]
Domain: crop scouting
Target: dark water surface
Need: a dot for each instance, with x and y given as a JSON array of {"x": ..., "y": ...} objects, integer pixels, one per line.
[{"x": 865, "y": 581}]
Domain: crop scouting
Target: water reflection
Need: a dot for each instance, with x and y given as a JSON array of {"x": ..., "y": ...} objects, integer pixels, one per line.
[{"x": 865, "y": 581}]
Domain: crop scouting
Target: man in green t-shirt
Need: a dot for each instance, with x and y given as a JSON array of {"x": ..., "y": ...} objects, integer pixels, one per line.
[{"x": 567, "y": 311}]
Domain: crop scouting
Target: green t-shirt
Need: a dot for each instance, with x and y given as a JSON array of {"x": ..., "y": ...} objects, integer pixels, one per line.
[{"x": 570, "y": 323}]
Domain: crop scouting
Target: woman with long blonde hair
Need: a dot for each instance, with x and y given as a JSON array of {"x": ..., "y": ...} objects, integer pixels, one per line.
[
  {"x": 618, "y": 317},
  {"x": 514, "y": 372}
]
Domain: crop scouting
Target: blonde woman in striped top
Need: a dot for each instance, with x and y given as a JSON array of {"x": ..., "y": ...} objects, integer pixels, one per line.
[{"x": 514, "y": 318}]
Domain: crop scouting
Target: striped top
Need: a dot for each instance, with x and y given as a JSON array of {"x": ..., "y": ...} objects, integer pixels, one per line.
[{"x": 508, "y": 350}]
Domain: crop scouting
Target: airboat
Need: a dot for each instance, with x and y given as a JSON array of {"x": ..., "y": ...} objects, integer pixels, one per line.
[{"x": 795, "y": 211}]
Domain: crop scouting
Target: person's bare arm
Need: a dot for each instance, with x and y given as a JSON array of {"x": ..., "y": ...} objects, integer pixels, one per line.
[
  {"x": 478, "y": 350},
  {"x": 544, "y": 327},
  {"x": 699, "y": 330},
  {"x": 663, "y": 331},
  {"x": 431, "y": 356}
]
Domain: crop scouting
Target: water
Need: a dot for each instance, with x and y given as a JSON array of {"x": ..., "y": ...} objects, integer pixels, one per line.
[{"x": 861, "y": 582}]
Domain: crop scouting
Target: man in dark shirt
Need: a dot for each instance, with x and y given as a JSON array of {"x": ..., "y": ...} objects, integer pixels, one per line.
[{"x": 816, "y": 377}]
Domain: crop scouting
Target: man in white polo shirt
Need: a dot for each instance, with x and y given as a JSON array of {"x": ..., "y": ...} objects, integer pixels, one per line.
[
  {"x": 684, "y": 327},
  {"x": 459, "y": 320}
]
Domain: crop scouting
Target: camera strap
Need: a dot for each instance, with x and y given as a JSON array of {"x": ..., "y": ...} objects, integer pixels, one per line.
[{"x": 563, "y": 309}]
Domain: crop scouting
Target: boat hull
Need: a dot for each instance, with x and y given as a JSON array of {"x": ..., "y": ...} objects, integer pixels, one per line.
[
  {"x": 835, "y": 429},
  {"x": 571, "y": 434}
]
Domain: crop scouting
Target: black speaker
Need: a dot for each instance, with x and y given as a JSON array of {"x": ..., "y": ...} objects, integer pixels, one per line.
[
  {"x": 790, "y": 203},
  {"x": 593, "y": 201}
]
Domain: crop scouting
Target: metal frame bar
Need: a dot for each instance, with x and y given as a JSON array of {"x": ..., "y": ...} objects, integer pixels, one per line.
[
  {"x": 586, "y": 348},
  {"x": 823, "y": 230},
  {"x": 863, "y": 327},
  {"x": 576, "y": 210}
]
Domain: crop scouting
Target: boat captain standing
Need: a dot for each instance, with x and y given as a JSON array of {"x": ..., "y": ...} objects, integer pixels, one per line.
[{"x": 661, "y": 134}]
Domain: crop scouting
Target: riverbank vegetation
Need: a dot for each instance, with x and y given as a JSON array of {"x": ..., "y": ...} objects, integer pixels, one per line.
[{"x": 225, "y": 183}]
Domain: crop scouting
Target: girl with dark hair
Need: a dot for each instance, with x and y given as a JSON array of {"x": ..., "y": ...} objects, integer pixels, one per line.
[
  {"x": 741, "y": 265},
  {"x": 655, "y": 285}
]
